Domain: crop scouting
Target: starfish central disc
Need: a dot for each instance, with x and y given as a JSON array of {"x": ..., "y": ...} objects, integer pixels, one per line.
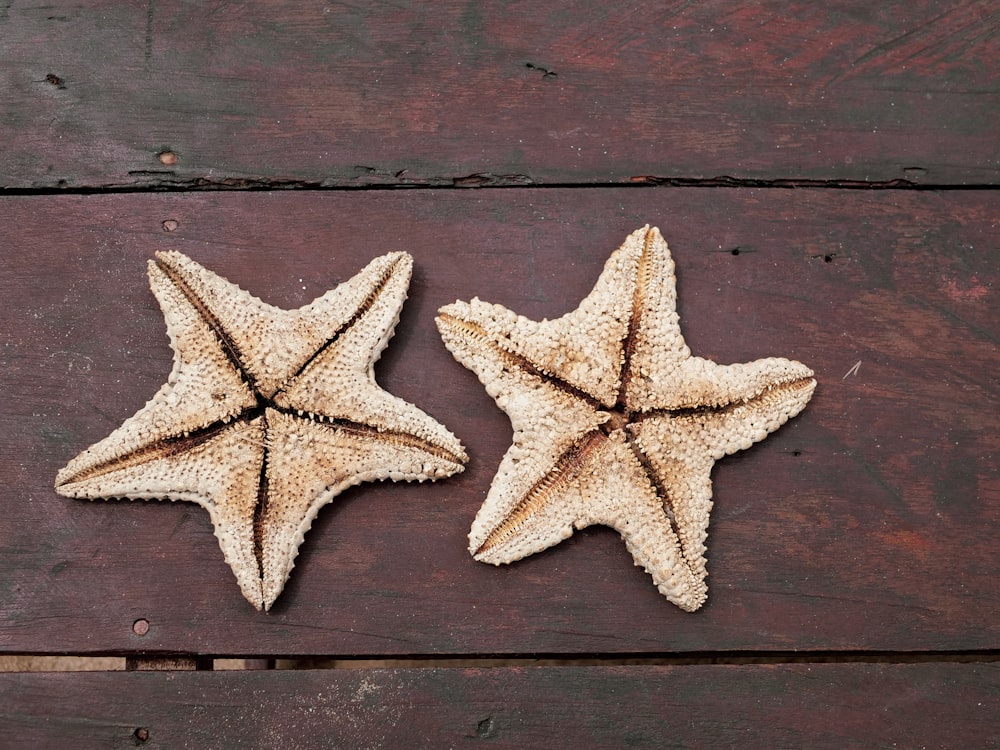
[{"x": 617, "y": 419}]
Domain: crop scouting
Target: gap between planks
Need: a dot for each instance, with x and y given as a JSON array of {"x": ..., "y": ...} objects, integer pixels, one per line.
[
  {"x": 487, "y": 181},
  {"x": 19, "y": 663}
]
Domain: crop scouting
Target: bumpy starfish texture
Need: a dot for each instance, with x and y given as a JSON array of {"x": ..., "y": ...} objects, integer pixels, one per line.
[
  {"x": 615, "y": 423},
  {"x": 268, "y": 414}
]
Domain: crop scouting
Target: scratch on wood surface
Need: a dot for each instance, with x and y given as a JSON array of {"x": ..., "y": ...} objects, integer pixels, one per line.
[
  {"x": 938, "y": 41},
  {"x": 150, "y": 11},
  {"x": 853, "y": 370}
]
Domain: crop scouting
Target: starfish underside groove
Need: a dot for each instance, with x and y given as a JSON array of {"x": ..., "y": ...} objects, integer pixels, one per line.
[
  {"x": 268, "y": 414},
  {"x": 615, "y": 423}
]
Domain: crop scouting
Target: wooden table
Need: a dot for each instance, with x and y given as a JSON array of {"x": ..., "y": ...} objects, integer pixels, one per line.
[{"x": 826, "y": 178}]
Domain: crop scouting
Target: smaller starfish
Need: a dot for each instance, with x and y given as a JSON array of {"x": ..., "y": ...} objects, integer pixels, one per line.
[
  {"x": 268, "y": 414},
  {"x": 615, "y": 423}
]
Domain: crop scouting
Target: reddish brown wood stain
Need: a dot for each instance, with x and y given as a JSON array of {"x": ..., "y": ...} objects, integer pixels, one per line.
[
  {"x": 808, "y": 527},
  {"x": 578, "y": 91},
  {"x": 830, "y": 705},
  {"x": 862, "y": 530}
]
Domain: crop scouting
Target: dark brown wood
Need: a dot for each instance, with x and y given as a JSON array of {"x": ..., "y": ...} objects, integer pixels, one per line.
[
  {"x": 816, "y": 706},
  {"x": 151, "y": 94},
  {"x": 864, "y": 524}
]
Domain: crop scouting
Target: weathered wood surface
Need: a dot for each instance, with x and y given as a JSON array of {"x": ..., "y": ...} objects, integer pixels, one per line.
[
  {"x": 816, "y": 706},
  {"x": 286, "y": 93},
  {"x": 865, "y": 523}
]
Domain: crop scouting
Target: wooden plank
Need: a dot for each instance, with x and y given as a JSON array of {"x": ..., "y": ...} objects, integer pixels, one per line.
[
  {"x": 816, "y": 706},
  {"x": 863, "y": 524},
  {"x": 105, "y": 93}
]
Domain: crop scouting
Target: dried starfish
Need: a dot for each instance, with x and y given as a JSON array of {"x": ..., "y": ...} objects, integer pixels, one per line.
[
  {"x": 615, "y": 423},
  {"x": 268, "y": 414}
]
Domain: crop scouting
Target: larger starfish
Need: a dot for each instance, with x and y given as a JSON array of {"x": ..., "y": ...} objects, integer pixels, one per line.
[
  {"x": 268, "y": 414},
  {"x": 614, "y": 421}
]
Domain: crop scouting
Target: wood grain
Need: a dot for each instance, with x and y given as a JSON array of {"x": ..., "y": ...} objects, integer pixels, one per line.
[
  {"x": 816, "y": 706},
  {"x": 864, "y": 524},
  {"x": 164, "y": 93}
]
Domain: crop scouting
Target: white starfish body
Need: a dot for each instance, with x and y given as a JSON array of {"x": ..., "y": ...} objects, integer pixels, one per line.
[
  {"x": 614, "y": 421},
  {"x": 268, "y": 414}
]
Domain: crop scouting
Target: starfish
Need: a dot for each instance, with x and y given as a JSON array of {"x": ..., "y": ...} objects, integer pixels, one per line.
[
  {"x": 615, "y": 423},
  {"x": 268, "y": 414}
]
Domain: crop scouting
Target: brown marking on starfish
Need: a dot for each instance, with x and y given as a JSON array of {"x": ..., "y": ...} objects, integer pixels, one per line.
[
  {"x": 160, "y": 449},
  {"x": 229, "y": 346},
  {"x": 470, "y": 329},
  {"x": 562, "y": 472},
  {"x": 643, "y": 272},
  {"x": 394, "y": 437},
  {"x": 363, "y": 309}
]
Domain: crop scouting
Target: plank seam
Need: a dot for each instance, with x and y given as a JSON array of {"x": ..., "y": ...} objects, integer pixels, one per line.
[
  {"x": 199, "y": 185},
  {"x": 603, "y": 660}
]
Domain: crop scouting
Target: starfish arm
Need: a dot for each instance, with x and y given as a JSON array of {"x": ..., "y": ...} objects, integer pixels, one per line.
[
  {"x": 583, "y": 348},
  {"x": 547, "y": 419},
  {"x": 219, "y": 469},
  {"x": 682, "y": 448},
  {"x": 654, "y": 546},
  {"x": 697, "y": 383},
  {"x": 203, "y": 388},
  {"x": 684, "y": 480},
  {"x": 375, "y": 297},
  {"x": 655, "y": 346},
  {"x": 362, "y": 402},
  {"x": 758, "y": 410},
  {"x": 310, "y": 462},
  {"x": 526, "y": 510},
  {"x": 632, "y": 506},
  {"x": 660, "y": 372},
  {"x": 578, "y": 491}
]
